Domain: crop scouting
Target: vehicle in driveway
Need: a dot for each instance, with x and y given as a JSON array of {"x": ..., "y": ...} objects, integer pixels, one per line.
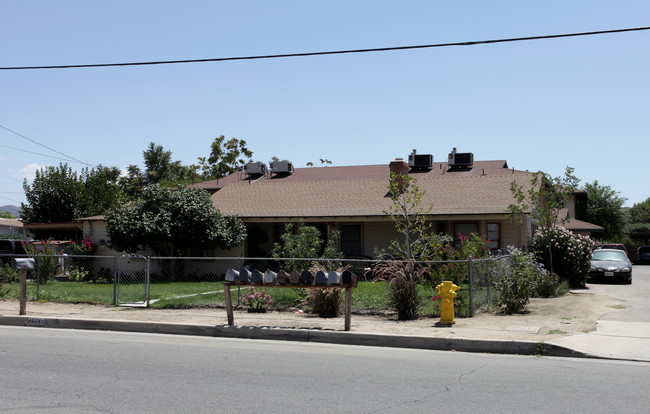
[
  {"x": 643, "y": 254},
  {"x": 610, "y": 264},
  {"x": 614, "y": 246}
]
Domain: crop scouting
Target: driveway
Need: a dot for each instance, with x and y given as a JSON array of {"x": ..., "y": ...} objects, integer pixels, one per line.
[{"x": 623, "y": 333}]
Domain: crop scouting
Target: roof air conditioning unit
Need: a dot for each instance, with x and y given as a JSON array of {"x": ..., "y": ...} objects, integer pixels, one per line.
[
  {"x": 255, "y": 168},
  {"x": 418, "y": 161},
  {"x": 282, "y": 167},
  {"x": 460, "y": 159}
]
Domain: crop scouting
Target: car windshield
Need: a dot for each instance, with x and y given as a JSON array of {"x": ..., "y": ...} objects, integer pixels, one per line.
[
  {"x": 609, "y": 255},
  {"x": 644, "y": 249}
]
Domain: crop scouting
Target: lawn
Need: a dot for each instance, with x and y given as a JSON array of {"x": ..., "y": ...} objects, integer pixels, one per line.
[{"x": 368, "y": 297}]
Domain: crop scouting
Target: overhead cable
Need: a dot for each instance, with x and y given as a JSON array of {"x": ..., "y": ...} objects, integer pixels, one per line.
[
  {"x": 45, "y": 146},
  {"x": 336, "y": 52}
]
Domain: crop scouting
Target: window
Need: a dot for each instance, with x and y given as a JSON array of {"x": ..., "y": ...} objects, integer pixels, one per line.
[
  {"x": 465, "y": 229},
  {"x": 351, "y": 240},
  {"x": 494, "y": 235}
]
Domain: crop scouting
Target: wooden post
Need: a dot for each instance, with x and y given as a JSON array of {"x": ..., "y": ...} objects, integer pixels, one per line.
[
  {"x": 348, "y": 307},
  {"x": 23, "y": 291},
  {"x": 226, "y": 294}
]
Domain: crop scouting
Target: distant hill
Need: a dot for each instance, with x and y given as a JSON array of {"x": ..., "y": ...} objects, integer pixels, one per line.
[{"x": 15, "y": 210}]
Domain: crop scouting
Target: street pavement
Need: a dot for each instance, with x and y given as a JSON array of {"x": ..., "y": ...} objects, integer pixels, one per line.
[{"x": 612, "y": 339}]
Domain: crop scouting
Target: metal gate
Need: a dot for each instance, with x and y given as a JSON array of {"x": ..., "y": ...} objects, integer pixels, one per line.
[{"x": 132, "y": 287}]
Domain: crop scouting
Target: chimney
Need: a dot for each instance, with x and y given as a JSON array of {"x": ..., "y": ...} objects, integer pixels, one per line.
[
  {"x": 400, "y": 169},
  {"x": 399, "y": 166}
]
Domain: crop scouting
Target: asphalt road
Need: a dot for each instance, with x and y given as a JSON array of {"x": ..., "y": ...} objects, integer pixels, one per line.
[
  {"x": 636, "y": 296},
  {"x": 65, "y": 371}
]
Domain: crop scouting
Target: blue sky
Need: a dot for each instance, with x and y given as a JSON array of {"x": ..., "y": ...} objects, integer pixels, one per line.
[{"x": 540, "y": 105}]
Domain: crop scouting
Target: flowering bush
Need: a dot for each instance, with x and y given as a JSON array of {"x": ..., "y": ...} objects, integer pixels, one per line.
[
  {"x": 257, "y": 300},
  {"x": 47, "y": 263},
  {"x": 564, "y": 253},
  {"x": 81, "y": 248}
]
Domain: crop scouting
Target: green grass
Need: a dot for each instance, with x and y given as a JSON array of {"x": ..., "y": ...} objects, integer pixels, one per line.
[{"x": 368, "y": 297}]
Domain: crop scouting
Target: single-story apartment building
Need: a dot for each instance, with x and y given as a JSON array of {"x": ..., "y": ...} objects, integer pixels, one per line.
[{"x": 462, "y": 196}]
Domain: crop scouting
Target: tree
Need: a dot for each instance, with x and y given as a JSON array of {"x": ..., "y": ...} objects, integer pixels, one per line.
[
  {"x": 59, "y": 194},
  {"x": 543, "y": 199},
  {"x": 408, "y": 215},
  {"x": 53, "y": 195},
  {"x": 225, "y": 158},
  {"x": 307, "y": 244},
  {"x": 640, "y": 212},
  {"x": 7, "y": 215},
  {"x": 100, "y": 191},
  {"x": 157, "y": 162},
  {"x": 133, "y": 183},
  {"x": 172, "y": 222},
  {"x": 605, "y": 208}
]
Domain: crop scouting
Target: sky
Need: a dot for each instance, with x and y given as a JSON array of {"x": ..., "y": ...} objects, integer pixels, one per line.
[{"x": 540, "y": 105}]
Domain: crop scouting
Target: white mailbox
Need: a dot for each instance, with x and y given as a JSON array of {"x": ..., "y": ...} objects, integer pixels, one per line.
[{"x": 22, "y": 264}]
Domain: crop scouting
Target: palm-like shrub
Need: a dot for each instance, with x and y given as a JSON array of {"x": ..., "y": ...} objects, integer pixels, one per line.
[{"x": 402, "y": 277}]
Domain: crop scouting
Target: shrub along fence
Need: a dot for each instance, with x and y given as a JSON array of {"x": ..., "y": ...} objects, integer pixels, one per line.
[{"x": 196, "y": 281}]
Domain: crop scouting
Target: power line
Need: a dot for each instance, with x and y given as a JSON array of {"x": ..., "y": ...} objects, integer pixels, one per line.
[
  {"x": 45, "y": 146},
  {"x": 35, "y": 153},
  {"x": 336, "y": 52}
]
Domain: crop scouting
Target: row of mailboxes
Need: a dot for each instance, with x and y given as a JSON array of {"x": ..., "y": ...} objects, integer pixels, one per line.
[{"x": 305, "y": 278}]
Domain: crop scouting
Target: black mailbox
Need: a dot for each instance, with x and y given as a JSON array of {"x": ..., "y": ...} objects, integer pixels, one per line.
[
  {"x": 22, "y": 264},
  {"x": 307, "y": 278}
]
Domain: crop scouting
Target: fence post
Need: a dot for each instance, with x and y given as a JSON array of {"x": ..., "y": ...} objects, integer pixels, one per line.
[
  {"x": 38, "y": 278},
  {"x": 471, "y": 287},
  {"x": 488, "y": 280},
  {"x": 147, "y": 281},
  {"x": 115, "y": 276}
]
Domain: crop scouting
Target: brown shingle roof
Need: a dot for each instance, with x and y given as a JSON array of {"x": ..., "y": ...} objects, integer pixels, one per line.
[
  {"x": 357, "y": 172},
  {"x": 447, "y": 194}
]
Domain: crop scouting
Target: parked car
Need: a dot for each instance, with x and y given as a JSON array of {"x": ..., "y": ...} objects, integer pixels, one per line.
[
  {"x": 617, "y": 246},
  {"x": 9, "y": 248},
  {"x": 643, "y": 254},
  {"x": 610, "y": 264}
]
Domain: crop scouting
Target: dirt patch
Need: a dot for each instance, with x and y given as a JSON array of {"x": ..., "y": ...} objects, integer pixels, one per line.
[{"x": 545, "y": 319}]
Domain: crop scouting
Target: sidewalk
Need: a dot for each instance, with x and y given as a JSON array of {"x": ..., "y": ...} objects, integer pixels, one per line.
[{"x": 561, "y": 324}]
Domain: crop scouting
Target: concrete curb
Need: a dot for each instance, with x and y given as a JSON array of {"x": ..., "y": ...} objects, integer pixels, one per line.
[{"x": 302, "y": 335}]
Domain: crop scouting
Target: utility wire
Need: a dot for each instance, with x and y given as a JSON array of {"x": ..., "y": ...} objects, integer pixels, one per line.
[
  {"x": 35, "y": 153},
  {"x": 336, "y": 52},
  {"x": 45, "y": 146}
]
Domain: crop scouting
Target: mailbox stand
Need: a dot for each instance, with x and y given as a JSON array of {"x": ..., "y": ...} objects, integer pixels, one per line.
[
  {"x": 23, "y": 292},
  {"x": 348, "y": 296},
  {"x": 23, "y": 265}
]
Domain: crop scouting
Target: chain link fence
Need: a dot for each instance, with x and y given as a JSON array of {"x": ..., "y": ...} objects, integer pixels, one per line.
[{"x": 188, "y": 282}]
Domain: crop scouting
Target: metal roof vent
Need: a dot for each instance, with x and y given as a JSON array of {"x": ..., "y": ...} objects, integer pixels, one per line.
[
  {"x": 283, "y": 167},
  {"x": 420, "y": 161},
  {"x": 460, "y": 160},
  {"x": 255, "y": 168}
]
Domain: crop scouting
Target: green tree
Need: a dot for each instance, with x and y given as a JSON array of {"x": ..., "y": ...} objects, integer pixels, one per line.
[
  {"x": 172, "y": 222},
  {"x": 640, "y": 212},
  {"x": 53, "y": 195},
  {"x": 133, "y": 183},
  {"x": 225, "y": 158},
  {"x": 7, "y": 215},
  {"x": 408, "y": 215},
  {"x": 605, "y": 208},
  {"x": 100, "y": 191},
  {"x": 157, "y": 162},
  {"x": 543, "y": 199}
]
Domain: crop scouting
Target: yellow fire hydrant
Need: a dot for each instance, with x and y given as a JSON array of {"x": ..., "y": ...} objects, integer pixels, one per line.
[{"x": 447, "y": 291}]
